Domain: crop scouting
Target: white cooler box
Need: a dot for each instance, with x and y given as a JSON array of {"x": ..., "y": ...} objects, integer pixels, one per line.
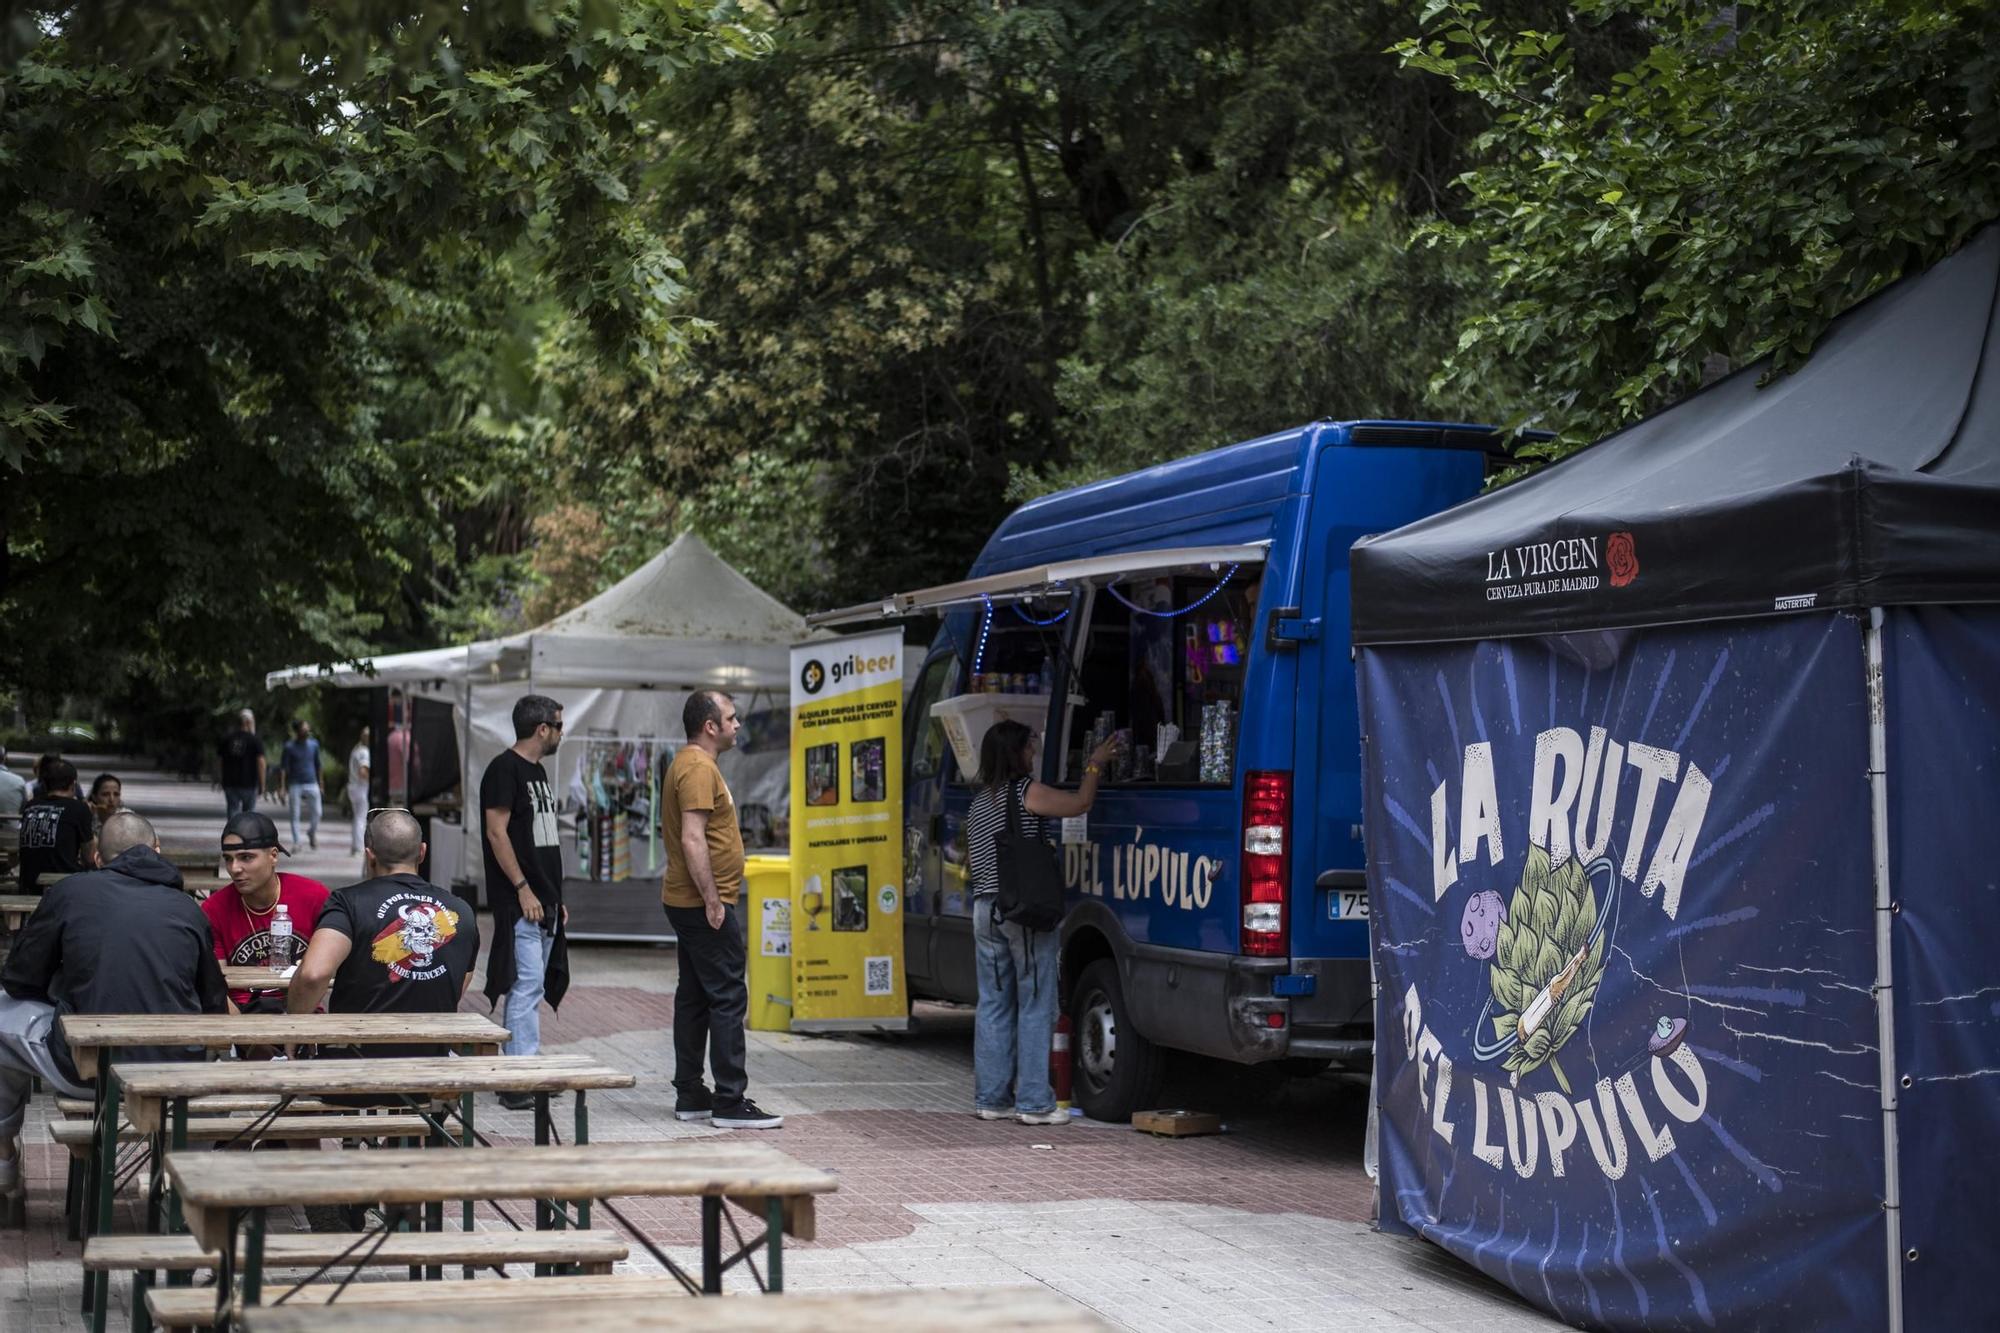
[{"x": 968, "y": 717}]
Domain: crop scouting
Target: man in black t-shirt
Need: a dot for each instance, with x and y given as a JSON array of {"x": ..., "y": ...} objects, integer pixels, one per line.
[
  {"x": 395, "y": 943},
  {"x": 517, "y": 802},
  {"x": 57, "y": 836},
  {"x": 243, "y": 764}
]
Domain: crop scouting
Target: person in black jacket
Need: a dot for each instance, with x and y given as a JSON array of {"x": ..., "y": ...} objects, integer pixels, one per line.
[{"x": 121, "y": 940}]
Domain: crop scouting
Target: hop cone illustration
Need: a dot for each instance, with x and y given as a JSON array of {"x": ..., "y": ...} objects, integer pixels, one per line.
[{"x": 1546, "y": 969}]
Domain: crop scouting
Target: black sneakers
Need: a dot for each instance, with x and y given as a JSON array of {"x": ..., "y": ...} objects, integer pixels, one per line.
[
  {"x": 745, "y": 1114},
  {"x": 697, "y": 1104},
  {"x": 517, "y": 1101}
]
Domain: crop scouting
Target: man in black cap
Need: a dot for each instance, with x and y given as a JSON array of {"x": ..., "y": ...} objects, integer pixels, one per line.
[
  {"x": 270, "y": 915},
  {"x": 121, "y": 940}
]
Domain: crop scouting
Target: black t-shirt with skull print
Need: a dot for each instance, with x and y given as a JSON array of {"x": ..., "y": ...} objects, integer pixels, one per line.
[{"x": 413, "y": 944}]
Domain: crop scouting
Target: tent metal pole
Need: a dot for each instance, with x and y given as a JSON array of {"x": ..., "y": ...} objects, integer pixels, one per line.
[{"x": 1885, "y": 994}]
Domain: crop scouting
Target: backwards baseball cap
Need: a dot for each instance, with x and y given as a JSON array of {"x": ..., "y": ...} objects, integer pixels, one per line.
[{"x": 254, "y": 829}]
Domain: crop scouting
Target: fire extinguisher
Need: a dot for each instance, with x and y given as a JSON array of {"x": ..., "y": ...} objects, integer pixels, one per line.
[{"x": 1059, "y": 1061}]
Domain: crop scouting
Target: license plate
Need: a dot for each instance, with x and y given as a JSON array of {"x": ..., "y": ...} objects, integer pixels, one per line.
[{"x": 1347, "y": 904}]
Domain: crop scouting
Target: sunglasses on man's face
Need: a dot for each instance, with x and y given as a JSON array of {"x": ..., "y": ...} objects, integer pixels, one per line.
[{"x": 387, "y": 810}]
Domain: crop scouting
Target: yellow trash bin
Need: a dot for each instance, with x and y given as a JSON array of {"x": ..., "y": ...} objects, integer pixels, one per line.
[{"x": 767, "y": 890}]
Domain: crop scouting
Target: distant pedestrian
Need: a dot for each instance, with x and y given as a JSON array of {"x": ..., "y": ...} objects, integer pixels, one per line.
[
  {"x": 242, "y": 755},
  {"x": 703, "y": 886},
  {"x": 56, "y": 833},
  {"x": 1015, "y": 968},
  {"x": 242, "y": 918},
  {"x": 529, "y": 961},
  {"x": 403, "y": 755},
  {"x": 298, "y": 781},
  {"x": 357, "y": 788},
  {"x": 40, "y": 785},
  {"x": 107, "y": 798},
  {"x": 13, "y": 787},
  {"x": 121, "y": 940},
  {"x": 394, "y": 943}
]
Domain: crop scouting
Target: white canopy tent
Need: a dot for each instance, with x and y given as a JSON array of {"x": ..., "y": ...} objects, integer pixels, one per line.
[{"x": 621, "y": 664}]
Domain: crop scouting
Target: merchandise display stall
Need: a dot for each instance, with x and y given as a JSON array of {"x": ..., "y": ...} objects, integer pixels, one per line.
[
  {"x": 1676, "y": 755},
  {"x": 622, "y": 665}
]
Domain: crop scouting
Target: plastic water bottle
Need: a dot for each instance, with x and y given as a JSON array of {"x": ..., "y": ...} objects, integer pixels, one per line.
[{"x": 281, "y": 938}]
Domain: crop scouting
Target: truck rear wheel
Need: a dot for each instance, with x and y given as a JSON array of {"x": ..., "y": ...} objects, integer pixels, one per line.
[{"x": 1116, "y": 1071}]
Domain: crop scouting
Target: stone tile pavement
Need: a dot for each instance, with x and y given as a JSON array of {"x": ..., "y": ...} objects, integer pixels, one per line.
[{"x": 1263, "y": 1227}]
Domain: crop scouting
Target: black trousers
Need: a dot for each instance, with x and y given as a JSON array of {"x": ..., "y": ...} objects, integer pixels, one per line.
[{"x": 711, "y": 1000}]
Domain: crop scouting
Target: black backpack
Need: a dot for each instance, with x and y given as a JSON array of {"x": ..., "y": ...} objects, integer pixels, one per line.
[{"x": 1030, "y": 872}]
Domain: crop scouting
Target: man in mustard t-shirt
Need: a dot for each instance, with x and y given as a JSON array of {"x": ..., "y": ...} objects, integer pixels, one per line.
[{"x": 703, "y": 887}]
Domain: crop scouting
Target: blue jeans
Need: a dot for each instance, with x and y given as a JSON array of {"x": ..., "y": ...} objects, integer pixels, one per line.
[
  {"x": 532, "y": 947},
  {"x": 1017, "y": 1012},
  {"x": 307, "y": 798},
  {"x": 235, "y": 799}
]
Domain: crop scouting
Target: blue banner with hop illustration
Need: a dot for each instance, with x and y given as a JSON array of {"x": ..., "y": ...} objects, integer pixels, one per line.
[
  {"x": 1623, "y": 902},
  {"x": 1944, "y": 795}
]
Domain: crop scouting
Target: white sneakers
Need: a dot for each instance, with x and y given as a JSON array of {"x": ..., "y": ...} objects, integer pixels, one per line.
[{"x": 1058, "y": 1116}]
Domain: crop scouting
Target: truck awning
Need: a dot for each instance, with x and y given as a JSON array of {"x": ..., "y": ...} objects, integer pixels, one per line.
[{"x": 1040, "y": 580}]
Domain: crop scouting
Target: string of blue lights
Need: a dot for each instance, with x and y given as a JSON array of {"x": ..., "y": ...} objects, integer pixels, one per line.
[{"x": 1136, "y": 609}]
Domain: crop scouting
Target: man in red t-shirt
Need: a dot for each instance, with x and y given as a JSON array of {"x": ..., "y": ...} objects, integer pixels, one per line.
[{"x": 242, "y": 919}]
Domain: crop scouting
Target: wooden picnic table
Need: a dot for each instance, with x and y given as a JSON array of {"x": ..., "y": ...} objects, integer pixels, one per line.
[
  {"x": 15, "y": 908},
  {"x": 94, "y": 1040},
  {"x": 151, "y": 1091},
  {"x": 90, "y": 1034},
  {"x": 221, "y": 1192},
  {"x": 157, "y": 1096},
  {"x": 257, "y": 978},
  {"x": 1023, "y": 1309}
]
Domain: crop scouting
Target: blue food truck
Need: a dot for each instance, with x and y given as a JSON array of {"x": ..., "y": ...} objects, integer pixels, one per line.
[{"x": 1218, "y": 902}]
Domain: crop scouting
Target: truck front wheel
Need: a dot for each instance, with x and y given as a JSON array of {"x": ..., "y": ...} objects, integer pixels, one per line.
[{"x": 1116, "y": 1070}]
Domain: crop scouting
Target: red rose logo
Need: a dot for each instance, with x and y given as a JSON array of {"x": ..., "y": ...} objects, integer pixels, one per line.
[{"x": 1623, "y": 560}]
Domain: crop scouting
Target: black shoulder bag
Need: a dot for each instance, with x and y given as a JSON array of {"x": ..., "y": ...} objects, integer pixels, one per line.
[{"x": 1030, "y": 870}]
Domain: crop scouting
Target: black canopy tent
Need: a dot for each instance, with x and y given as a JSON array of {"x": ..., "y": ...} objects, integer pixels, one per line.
[
  {"x": 1773, "y": 604},
  {"x": 1869, "y": 477}
]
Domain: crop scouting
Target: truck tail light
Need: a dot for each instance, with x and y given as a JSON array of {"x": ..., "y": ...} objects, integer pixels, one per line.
[{"x": 1267, "y": 862}]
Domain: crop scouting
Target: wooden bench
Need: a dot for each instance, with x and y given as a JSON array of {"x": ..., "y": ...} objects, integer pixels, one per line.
[
  {"x": 593, "y": 1251},
  {"x": 79, "y": 1136},
  {"x": 77, "y": 1106},
  {"x": 1022, "y": 1309},
  {"x": 194, "y": 1307},
  {"x": 16, "y": 908}
]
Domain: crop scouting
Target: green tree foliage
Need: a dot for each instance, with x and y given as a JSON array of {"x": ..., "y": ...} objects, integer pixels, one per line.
[
  {"x": 261, "y": 290},
  {"x": 1749, "y": 173},
  {"x": 954, "y": 252},
  {"x": 867, "y": 373}
]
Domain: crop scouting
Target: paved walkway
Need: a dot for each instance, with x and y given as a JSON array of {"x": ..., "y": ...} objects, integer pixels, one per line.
[{"x": 1263, "y": 1227}]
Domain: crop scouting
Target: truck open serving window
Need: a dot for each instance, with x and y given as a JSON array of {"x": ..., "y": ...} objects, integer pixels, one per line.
[
  {"x": 1012, "y": 664},
  {"x": 1163, "y": 660}
]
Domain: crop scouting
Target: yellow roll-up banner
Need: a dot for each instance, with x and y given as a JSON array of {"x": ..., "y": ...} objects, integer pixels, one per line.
[{"x": 847, "y": 835}]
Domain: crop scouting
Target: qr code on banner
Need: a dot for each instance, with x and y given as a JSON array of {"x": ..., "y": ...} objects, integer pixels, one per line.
[{"x": 878, "y": 978}]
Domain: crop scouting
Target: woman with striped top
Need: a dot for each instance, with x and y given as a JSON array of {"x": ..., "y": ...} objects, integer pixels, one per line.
[{"x": 1016, "y": 967}]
